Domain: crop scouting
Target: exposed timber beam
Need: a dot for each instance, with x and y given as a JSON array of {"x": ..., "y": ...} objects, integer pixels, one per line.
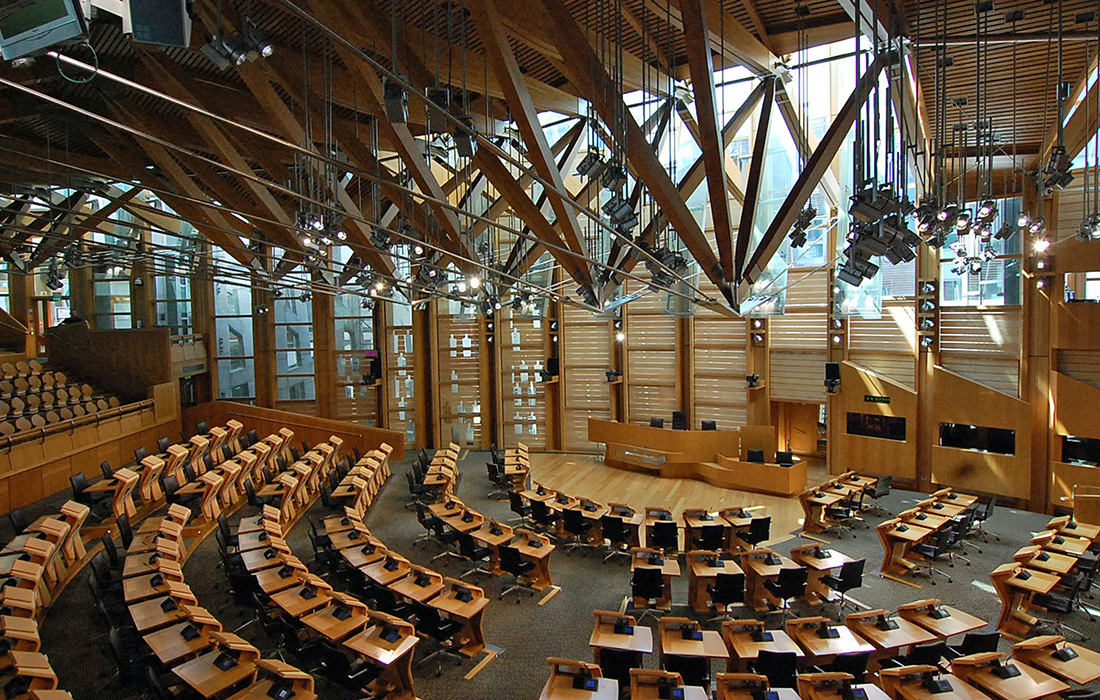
[
  {"x": 756, "y": 175},
  {"x": 811, "y": 175}
]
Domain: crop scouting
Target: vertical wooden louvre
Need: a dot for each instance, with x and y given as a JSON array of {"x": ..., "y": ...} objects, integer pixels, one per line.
[
  {"x": 799, "y": 340},
  {"x": 1082, "y": 365},
  {"x": 400, "y": 364},
  {"x": 652, "y": 360},
  {"x": 585, "y": 358},
  {"x": 720, "y": 366},
  {"x": 522, "y": 344},
  {"x": 458, "y": 359}
]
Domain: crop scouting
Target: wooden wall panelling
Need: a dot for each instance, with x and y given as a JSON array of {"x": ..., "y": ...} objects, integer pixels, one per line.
[
  {"x": 653, "y": 378},
  {"x": 522, "y": 343},
  {"x": 1076, "y": 326},
  {"x": 720, "y": 364},
  {"x": 960, "y": 400},
  {"x": 876, "y": 455},
  {"x": 123, "y": 362},
  {"x": 1072, "y": 255},
  {"x": 586, "y": 356},
  {"x": 983, "y": 345},
  {"x": 458, "y": 361}
]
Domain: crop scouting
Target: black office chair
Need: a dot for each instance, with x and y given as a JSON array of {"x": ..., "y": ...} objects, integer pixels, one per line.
[
  {"x": 760, "y": 529},
  {"x": 755, "y": 456},
  {"x": 845, "y": 513},
  {"x": 648, "y": 583},
  {"x": 710, "y": 537},
  {"x": 789, "y": 584},
  {"x": 250, "y": 492},
  {"x": 162, "y": 445},
  {"x": 295, "y": 453},
  {"x": 495, "y": 472},
  {"x": 784, "y": 459},
  {"x": 665, "y": 536},
  {"x": 113, "y": 557},
  {"x": 984, "y": 514},
  {"x": 1061, "y": 604},
  {"x": 442, "y": 630},
  {"x": 728, "y": 589},
  {"x": 710, "y": 425},
  {"x": 849, "y": 578},
  {"x": 615, "y": 532},
  {"x": 416, "y": 489},
  {"x": 780, "y": 667},
  {"x": 105, "y": 469},
  {"x": 695, "y": 670},
  {"x": 519, "y": 506},
  {"x": 656, "y": 422},
  {"x": 577, "y": 527},
  {"x": 934, "y": 552},
  {"x": 20, "y": 519},
  {"x": 125, "y": 532},
  {"x": 930, "y": 654},
  {"x": 679, "y": 420},
  {"x": 253, "y": 437},
  {"x": 475, "y": 553},
  {"x": 964, "y": 526},
  {"x": 513, "y": 564},
  {"x": 543, "y": 517},
  {"x": 974, "y": 643},
  {"x": 855, "y": 664},
  {"x": 616, "y": 663},
  {"x": 879, "y": 491},
  {"x": 356, "y": 673}
]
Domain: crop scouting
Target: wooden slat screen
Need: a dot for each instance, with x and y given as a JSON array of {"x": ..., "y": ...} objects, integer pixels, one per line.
[
  {"x": 895, "y": 331},
  {"x": 652, "y": 358},
  {"x": 458, "y": 356},
  {"x": 585, "y": 357},
  {"x": 720, "y": 364},
  {"x": 400, "y": 367},
  {"x": 1082, "y": 365},
  {"x": 521, "y": 342},
  {"x": 798, "y": 376},
  {"x": 983, "y": 345},
  {"x": 895, "y": 366}
]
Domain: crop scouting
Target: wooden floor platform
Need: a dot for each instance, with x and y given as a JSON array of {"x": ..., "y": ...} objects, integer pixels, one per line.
[{"x": 587, "y": 475}]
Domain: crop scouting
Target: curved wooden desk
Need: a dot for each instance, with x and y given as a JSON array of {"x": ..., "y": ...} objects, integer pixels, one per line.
[{"x": 712, "y": 456}]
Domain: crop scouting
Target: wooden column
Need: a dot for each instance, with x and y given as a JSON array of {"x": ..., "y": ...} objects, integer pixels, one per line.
[
  {"x": 202, "y": 318},
  {"x": 927, "y": 430},
  {"x": 424, "y": 392},
  {"x": 324, "y": 354},
  {"x": 263, "y": 344},
  {"x": 1036, "y": 365}
]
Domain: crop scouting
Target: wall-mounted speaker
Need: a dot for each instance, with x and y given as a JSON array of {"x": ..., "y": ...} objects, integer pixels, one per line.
[
  {"x": 161, "y": 22},
  {"x": 832, "y": 371}
]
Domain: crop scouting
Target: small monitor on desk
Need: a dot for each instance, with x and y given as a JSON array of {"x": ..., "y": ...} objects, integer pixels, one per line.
[
  {"x": 464, "y": 595},
  {"x": 755, "y": 456},
  {"x": 784, "y": 459},
  {"x": 280, "y": 690},
  {"x": 679, "y": 420},
  {"x": 710, "y": 425},
  {"x": 390, "y": 633},
  {"x": 656, "y": 422}
]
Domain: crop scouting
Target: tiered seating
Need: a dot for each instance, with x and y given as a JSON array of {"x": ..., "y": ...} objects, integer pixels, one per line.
[
  {"x": 359, "y": 482},
  {"x": 1048, "y": 577},
  {"x": 160, "y": 635},
  {"x": 435, "y": 477},
  {"x": 33, "y": 567},
  {"x": 838, "y": 504},
  {"x": 34, "y": 397}
]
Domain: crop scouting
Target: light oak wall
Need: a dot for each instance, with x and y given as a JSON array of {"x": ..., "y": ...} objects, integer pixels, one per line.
[{"x": 871, "y": 454}]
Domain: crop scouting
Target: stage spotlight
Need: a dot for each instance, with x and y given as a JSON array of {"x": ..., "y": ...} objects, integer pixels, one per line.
[{"x": 396, "y": 101}]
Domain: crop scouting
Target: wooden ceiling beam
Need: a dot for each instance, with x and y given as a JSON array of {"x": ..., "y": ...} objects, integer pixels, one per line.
[
  {"x": 693, "y": 176},
  {"x": 78, "y": 229},
  {"x": 503, "y": 62},
  {"x": 810, "y": 176},
  {"x": 585, "y": 70},
  {"x": 756, "y": 175},
  {"x": 701, "y": 67},
  {"x": 728, "y": 37}
]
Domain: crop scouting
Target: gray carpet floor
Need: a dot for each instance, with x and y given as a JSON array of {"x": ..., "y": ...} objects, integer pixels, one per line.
[{"x": 524, "y": 632}]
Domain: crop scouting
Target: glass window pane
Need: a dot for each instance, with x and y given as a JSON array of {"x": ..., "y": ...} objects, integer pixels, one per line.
[
  {"x": 353, "y": 334},
  {"x": 232, "y": 300},
  {"x": 234, "y": 336},
  {"x": 296, "y": 389},
  {"x": 236, "y": 379},
  {"x": 293, "y": 337},
  {"x": 294, "y": 362}
]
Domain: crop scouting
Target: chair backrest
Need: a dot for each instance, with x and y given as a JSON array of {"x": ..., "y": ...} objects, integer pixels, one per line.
[
  {"x": 295, "y": 453},
  {"x": 760, "y": 529},
  {"x": 253, "y": 437},
  {"x": 756, "y": 456},
  {"x": 926, "y": 654},
  {"x": 467, "y": 545},
  {"x": 729, "y": 588},
  {"x": 249, "y": 490},
  {"x": 665, "y": 534},
  {"x": 141, "y": 453},
  {"x": 979, "y": 642},
  {"x": 20, "y": 519},
  {"x": 792, "y": 582},
  {"x": 712, "y": 536},
  {"x": 515, "y": 502},
  {"x": 613, "y": 529},
  {"x": 780, "y": 667},
  {"x": 882, "y": 486},
  {"x": 989, "y": 506},
  {"x": 648, "y": 582},
  {"x": 511, "y": 561},
  {"x": 162, "y": 445},
  {"x": 656, "y": 422},
  {"x": 111, "y": 549},
  {"x": 101, "y": 568},
  {"x": 223, "y": 526},
  {"x": 202, "y": 428},
  {"x": 541, "y": 512},
  {"x": 105, "y": 469},
  {"x": 785, "y": 459},
  {"x": 851, "y": 573},
  {"x": 422, "y": 516},
  {"x": 944, "y": 537},
  {"x": 125, "y": 532},
  {"x": 679, "y": 420},
  {"x": 79, "y": 482},
  {"x": 574, "y": 521},
  {"x": 855, "y": 664}
]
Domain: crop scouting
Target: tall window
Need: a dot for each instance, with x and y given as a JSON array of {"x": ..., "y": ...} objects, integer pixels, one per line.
[
  {"x": 355, "y": 400},
  {"x": 294, "y": 349},
  {"x": 172, "y": 288},
  {"x": 111, "y": 289},
  {"x": 998, "y": 282},
  {"x": 233, "y": 334}
]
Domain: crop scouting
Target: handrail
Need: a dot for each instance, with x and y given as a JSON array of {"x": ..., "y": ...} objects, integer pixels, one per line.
[{"x": 9, "y": 441}]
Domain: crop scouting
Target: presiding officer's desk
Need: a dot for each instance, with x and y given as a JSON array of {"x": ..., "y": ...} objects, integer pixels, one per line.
[{"x": 713, "y": 456}]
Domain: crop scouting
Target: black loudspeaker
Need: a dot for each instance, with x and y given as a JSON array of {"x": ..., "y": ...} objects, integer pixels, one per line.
[
  {"x": 755, "y": 456},
  {"x": 374, "y": 370},
  {"x": 161, "y": 22},
  {"x": 832, "y": 371},
  {"x": 656, "y": 422},
  {"x": 679, "y": 420},
  {"x": 553, "y": 366}
]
